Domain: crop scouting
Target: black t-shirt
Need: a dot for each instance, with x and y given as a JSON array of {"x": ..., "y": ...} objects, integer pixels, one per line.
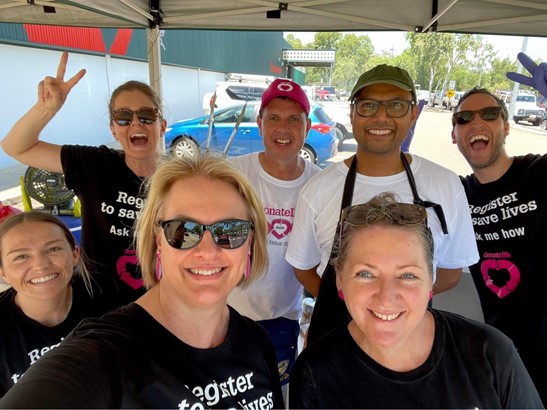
[
  {"x": 128, "y": 360},
  {"x": 510, "y": 222},
  {"x": 471, "y": 365},
  {"x": 111, "y": 197},
  {"x": 23, "y": 340}
]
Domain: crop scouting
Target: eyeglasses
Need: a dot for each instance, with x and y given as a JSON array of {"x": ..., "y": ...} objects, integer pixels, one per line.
[
  {"x": 399, "y": 213},
  {"x": 394, "y": 108},
  {"x": 465, "y": 117},
  {"x": 124, "y": 116},
  {"x": 184, "y": 234}
]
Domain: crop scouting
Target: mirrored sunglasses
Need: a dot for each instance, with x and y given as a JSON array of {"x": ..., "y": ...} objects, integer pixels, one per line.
[
  {"x": 185, "y": 234},
  {"x": 124, "y": 116},
  {"x": 465, "y": 117}
]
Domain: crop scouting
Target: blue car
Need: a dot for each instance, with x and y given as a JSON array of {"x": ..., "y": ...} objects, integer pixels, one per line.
[{"x": 188, "y": 136}]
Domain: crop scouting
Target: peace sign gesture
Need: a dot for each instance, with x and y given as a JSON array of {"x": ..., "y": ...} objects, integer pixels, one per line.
[
  {"x": 538, "y": 78},
  {"x": 53, "y": 91}
]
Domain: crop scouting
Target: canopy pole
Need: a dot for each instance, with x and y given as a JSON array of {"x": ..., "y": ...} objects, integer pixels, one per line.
[{"x": 153, "y": 43}]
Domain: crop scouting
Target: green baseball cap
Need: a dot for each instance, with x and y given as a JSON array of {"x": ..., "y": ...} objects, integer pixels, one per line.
[{"x": 385, "y": 74}]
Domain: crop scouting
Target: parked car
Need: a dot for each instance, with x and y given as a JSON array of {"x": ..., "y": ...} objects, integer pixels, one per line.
[
  {"x": 188, "y": 136},
  {"x": 339, "y": 113},
  {"x": 526, "y": 109},
  {"x": 450, "y": 102},
  {"x": 422, "y": 95}
]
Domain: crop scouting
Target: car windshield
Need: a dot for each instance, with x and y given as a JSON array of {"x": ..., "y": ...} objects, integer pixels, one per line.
[
  {"x": 245, "y": 92},
  {"x": 526, "y": 98},
  {"x": 320, "y": 114},
  {"x": 232, "y": 114}
]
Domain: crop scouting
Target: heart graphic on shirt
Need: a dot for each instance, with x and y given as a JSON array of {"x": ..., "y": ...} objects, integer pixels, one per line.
[
  {"x": 127, "y": 269},
  {"x": 500, "y": 276},
  {"x": 280, "y": 228}
]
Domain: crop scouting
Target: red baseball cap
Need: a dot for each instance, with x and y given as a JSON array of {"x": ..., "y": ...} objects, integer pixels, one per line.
[{"x": 285, "y": 89}]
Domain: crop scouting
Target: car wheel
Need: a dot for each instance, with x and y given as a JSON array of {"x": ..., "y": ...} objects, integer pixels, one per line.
[
  {"x": 184, "y": 147},
  {"x": 536, "y": 123},
  {"x": 543, "y": 124},
  {"x": 308, "y": 154},
  {"x": 516, "y": 119}
]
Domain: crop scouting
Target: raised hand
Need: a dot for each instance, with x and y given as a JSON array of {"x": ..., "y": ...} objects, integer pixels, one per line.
[
  {"x": 53, "y": 91},
  {"x": 538, "y": 80}
]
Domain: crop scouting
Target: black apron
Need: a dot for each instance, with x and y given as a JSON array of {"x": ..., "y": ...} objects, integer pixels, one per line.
[{"x": 330, "y": 311}]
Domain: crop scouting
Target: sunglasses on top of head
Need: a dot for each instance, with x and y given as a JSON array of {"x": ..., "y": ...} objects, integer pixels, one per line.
[
  {"x": 487, "y": 114},
  {"x": 124, "y": 116},
  {"x": 185, "y": 234}
]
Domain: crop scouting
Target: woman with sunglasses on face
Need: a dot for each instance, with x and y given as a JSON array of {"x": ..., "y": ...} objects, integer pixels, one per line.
[
  {"x": 201, "y": 233},
  {"x": 51, "y": 291},
  {"x": 107, "y": 181},
  {"x": 396, "y": 352}
]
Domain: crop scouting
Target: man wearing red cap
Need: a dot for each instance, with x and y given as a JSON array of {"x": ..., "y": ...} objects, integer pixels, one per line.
[
  {"x": 383, "y": 109},
  {"x": 278, "y": 173}
]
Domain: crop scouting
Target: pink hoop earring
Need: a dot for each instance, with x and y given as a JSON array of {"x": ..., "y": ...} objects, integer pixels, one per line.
[
  {"x": 248, "y": 267},
  {"x": 341, "y": 295},
  {"x": 158, "y": 265}
]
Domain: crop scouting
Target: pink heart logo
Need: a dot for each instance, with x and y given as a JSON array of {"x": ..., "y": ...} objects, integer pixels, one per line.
[
  {"x": 500, "y": 276},
  {"x": 126, "y": 267},
  {"x": 280, "y": 228}
]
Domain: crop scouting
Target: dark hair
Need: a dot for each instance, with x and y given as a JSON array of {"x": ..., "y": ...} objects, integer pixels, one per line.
[
  {"x": 135, "y": 86},
  {"x": 36, "y": 216},
  {"x": 478, "y": 90},
  {"x": 382, "y": 212}
]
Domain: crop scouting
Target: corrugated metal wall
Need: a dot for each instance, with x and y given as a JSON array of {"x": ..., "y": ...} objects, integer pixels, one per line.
[{"x": 224, "y": 51}]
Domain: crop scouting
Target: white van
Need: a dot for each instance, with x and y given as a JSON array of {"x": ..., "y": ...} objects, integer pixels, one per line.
[{"x": 526, "y": 109}]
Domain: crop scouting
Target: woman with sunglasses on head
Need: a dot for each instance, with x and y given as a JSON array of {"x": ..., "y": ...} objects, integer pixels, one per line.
[
  {"x": 201, "y": 233},
  {"x": 107, "y": 181},
  {"x": 396, "y": 352},
  {"x": 50, "y": 292}
]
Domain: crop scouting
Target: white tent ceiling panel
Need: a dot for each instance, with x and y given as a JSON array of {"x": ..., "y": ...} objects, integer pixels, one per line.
[{"x": 514, "y": 17}]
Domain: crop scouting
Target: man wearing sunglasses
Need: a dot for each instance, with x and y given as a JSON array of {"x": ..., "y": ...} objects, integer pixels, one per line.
[
  {"x": 278, "y": 174},
  {"x": 382, "y": 111},
  {"x": 508, "y": 203}
]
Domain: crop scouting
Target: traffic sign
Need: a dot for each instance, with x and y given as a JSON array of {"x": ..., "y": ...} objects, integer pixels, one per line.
[{"x": 450, "y": 93}]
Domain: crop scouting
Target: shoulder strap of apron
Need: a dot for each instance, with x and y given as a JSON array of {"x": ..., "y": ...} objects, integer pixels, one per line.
[{"x": 418, "y": 201}]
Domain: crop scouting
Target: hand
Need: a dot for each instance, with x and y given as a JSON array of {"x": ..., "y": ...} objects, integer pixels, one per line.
[
  {"x": 538, "y": 80},
  {"x": 53, "y": 91}
]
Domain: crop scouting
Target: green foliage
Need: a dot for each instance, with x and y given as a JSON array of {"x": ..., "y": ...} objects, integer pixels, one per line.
[{"x": 432, "y": 59}]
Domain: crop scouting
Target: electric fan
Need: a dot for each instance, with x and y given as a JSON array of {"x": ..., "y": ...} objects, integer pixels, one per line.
[{"x": 50, "y": 190}]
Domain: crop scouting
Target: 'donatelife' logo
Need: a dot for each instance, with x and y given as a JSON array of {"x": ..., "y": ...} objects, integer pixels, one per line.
[{"x": 279, "y": 228}]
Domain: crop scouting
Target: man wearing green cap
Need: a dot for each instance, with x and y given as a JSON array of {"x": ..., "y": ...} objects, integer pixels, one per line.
[{"x": 383, "y": 109}]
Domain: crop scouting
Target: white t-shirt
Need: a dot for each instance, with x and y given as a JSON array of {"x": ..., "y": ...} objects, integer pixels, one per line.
[
  {"x": 278, "y": 293},
  {"x": 318, "y": 212}
]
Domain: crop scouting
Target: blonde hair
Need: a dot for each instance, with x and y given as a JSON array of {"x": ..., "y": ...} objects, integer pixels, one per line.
[{"x": 172, "y": 169}]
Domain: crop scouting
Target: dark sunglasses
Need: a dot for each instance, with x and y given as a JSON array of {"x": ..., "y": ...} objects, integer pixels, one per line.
[
  {"x": 124, "y": 116},
  {"x": 487, "y": 114},
  {"x": 399, "y": 213},
  {"x": 184, "y": 234}
]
